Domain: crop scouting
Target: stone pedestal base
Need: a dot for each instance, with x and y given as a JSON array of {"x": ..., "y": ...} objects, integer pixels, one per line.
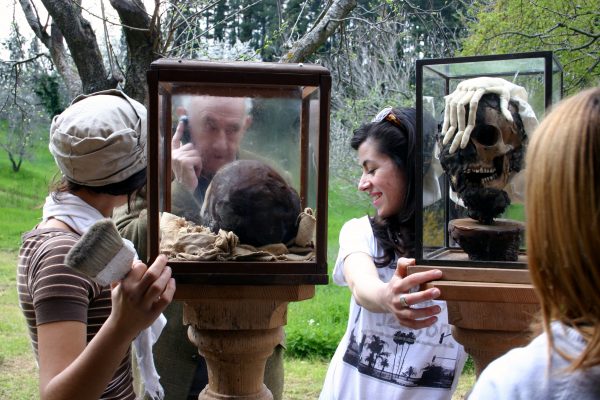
[
  {"x": 489, "y": 330},
  {"x": 236, "y": 329},
  {"x": 490, "y": 310}
]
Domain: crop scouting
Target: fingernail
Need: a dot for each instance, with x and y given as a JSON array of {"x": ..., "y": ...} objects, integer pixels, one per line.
[{"x": 436, "y": 293}]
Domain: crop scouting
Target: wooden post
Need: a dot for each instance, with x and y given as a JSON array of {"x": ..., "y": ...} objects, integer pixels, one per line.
[
  {"x": 236, "y": 329},
  {"x": 490, "y": 309}
]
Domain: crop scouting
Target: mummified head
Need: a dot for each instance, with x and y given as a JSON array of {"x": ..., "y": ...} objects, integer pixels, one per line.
[
  {"x": 251, "y": 199},
  {"x": 479, "y": 172}
]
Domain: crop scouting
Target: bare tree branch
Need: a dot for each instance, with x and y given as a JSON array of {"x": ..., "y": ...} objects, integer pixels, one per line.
[
  {"x": 81, "y": 39},
  {"x": 322, "y": 30},
  {"x": 141, "y": 41},
  {"x": 55, "y": 45}
]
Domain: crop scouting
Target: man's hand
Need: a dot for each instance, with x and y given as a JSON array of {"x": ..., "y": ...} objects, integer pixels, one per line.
[{"x": 186, "y": 161}]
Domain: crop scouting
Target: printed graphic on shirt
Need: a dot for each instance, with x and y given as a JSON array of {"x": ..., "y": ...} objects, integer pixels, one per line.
[{"x": 390, "y": 357}]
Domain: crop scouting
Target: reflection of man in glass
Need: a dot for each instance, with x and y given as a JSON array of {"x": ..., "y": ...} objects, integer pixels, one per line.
[
  {"x": 207, "y": 137},
  {"x": 211, "y": 139}
]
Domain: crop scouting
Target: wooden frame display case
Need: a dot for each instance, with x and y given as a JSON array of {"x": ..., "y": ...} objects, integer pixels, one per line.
[
  {"x": 235, "y": 309},
  {"x": 490, "y": 299},
  {"x": 289, "y": 107}
]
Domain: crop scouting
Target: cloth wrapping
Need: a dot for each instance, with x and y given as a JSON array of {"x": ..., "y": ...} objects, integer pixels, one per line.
[
  {"x": 79, "y": 215},
  {"x": 143, "y": 351},
  {"x": 183, "y": 240}
]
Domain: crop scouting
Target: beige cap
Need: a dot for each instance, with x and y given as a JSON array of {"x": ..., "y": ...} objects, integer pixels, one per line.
[{"x": 100, "y": 138}]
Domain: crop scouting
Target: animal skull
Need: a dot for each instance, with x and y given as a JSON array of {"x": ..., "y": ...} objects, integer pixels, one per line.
[{"x": 479, "y": 172}]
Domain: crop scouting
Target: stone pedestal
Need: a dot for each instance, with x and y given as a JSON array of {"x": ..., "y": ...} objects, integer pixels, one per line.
[
  {"x": 488, "y": 330},
  {"x": 490, "y": 310},
  {"x": 236, "y": 329}
]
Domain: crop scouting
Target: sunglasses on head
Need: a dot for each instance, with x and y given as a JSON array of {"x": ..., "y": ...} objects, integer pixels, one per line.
[{"x": 387, "y": 115}]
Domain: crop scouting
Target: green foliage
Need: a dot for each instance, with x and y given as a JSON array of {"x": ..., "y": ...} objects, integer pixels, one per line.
[
  {"x": 433, "y": 225},
  {"x": 316, "y": 326},
  {"x": 47, "y": 87},
  {"x": 569, "y": 28}
]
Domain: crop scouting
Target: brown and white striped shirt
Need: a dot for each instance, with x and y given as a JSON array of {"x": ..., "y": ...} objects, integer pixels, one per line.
[{"x": 49, "y": 291}]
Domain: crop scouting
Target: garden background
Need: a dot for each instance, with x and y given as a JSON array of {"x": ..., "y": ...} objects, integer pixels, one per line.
[{"x": 51, "y": 50}]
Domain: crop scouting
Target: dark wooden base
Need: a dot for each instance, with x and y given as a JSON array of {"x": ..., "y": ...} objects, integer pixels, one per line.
[{"x": 499, "y": 241}]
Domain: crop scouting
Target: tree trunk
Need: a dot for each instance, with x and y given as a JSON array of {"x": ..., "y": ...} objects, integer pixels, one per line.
[
  {"x": 82, "y": 43},
  {"x": 61, "y": 62},
  {"x": 141, "y": 34},
  {"x": 308, "y": 44},
  {"x": 55, "y": 45}
]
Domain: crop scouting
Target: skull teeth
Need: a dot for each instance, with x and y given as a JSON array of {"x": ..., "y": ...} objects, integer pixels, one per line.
[
  {"x": 480, "y": 171},
  {"x": 488, "y": 178}
]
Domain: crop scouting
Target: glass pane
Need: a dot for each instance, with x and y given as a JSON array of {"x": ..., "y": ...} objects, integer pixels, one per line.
[{"x": 236, "y": 164}]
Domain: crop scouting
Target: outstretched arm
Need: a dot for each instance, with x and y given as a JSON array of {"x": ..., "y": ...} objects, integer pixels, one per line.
[{"x": 377, "y": 296}]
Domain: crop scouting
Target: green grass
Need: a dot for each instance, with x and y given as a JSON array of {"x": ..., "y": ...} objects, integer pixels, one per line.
[
  {"x": 316, "y": 326},
  {"x": 22, "y": 194},
  {"x": 304, "y": 377},
  {"x": 18, "y": 372}
]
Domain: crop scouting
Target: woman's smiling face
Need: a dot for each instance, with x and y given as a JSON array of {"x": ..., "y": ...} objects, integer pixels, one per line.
[{"x": 381, "y": 179}]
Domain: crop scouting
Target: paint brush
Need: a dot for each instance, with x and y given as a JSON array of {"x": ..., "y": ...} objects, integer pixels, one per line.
[{"x": 102, "y": 254}]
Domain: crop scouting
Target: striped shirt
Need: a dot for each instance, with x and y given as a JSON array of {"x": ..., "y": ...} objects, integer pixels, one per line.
[{"x": 49, "y": 291}]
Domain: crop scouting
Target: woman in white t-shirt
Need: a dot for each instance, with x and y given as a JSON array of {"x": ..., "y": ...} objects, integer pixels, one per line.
[{"x": 397, "y": 343}]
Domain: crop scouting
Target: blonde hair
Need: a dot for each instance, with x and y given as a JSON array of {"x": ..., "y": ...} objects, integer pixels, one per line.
[{"x": 563, "y": 220}]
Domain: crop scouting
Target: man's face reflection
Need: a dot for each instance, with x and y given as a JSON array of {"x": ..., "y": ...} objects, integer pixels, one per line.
[{"x": 217, "y": 126}]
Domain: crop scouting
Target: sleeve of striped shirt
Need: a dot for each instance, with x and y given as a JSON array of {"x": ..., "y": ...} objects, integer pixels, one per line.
[{"x": 59, "y": 292}]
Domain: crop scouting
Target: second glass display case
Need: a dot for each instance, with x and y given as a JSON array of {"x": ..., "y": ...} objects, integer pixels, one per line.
[{"x": 475, "y": 116}]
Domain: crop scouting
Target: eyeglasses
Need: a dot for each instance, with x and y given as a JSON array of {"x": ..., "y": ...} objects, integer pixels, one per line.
[{"x": 388, "y": 115}]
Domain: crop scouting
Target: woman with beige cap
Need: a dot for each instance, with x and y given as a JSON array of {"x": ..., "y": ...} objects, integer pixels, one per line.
[{"x": 81, "y": 332}]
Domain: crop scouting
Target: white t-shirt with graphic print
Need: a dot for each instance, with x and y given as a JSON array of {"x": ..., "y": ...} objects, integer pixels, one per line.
[{"x": 377, "y": 357}]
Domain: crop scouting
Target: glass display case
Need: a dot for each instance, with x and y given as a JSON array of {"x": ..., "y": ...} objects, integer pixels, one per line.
[
  {"x": 469, "y": 197},
  {"x": 237, "y": 171}
]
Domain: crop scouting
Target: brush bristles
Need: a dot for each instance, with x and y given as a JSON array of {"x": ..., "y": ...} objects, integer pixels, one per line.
[{"x": 96, "y": 248}]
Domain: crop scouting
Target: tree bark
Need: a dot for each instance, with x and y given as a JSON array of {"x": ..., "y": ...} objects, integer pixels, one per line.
[
  {"x": 81, "y": 39},
  {"x": 308, "y": 44},
  {"x": 141, "y": 34},
  {"x": 62, "y": 64},
  {"x": 55, "y": 45}
]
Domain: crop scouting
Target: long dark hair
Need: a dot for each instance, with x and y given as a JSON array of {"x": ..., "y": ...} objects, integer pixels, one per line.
[
  {"x": 130, "y": 186},
  {"x": 396, "y": 138}
]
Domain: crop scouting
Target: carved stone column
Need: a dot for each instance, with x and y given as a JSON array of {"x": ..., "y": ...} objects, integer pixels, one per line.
[
  {"x": 490, "y": 310},
  {"x": 236, "y": 329}
]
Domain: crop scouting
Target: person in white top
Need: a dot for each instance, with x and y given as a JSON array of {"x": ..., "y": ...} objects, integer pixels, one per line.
[
  {"x": 398, "y": 343},
  {"x": 562, "y": 204}
]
